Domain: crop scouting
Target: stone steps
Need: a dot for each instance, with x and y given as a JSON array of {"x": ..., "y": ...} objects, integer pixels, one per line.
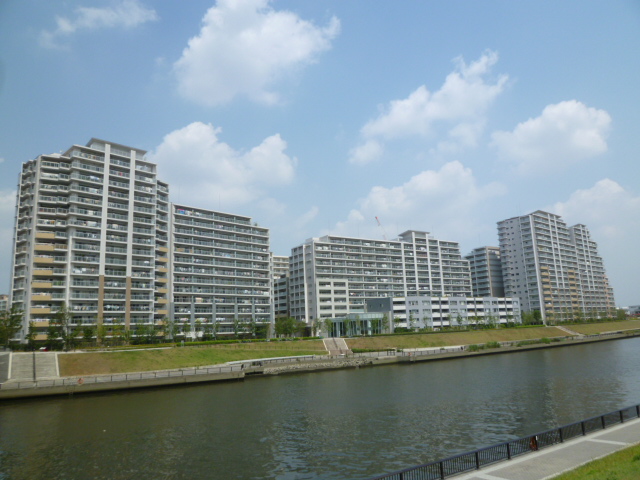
[{"x": 22, "y": 366}]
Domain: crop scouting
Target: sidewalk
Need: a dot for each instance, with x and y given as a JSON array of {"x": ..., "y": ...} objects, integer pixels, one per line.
[{"x": 560, "y": 458}]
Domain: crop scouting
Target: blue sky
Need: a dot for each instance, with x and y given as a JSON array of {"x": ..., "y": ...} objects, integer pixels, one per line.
[{"x": 315, "y": 117}]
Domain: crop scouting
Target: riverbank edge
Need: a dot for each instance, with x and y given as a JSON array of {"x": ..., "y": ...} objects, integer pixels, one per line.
[{"x": 294, "y": 367}]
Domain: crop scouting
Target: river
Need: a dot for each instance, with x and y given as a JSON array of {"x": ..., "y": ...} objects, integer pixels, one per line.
[{"x": 346, "y": 424}]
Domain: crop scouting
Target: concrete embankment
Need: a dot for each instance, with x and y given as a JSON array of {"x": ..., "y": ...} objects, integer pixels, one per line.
[
  {"x": 100, "y": 383},
  {"x": 93, "y": 384}
]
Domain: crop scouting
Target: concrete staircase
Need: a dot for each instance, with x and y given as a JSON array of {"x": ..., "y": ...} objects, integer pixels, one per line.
[
  {"x": 336, "y": 346},
  {"x": 569, "y": 331},
  {"x": 46, "y": 366}
]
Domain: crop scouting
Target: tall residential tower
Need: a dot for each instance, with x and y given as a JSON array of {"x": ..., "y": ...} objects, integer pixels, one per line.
[{"x": 553, "y": 269}]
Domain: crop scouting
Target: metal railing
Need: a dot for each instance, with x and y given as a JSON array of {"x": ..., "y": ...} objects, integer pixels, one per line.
[
  {"x": 119, "y": 377},
  {"x": 470, "y": 461}
]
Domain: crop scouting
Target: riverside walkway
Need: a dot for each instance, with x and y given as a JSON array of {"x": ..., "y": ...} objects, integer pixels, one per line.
[{"x": 554, "y": 460}]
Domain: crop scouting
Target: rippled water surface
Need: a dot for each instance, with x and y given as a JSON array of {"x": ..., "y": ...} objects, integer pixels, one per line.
[{"x": 348, "y": 424}]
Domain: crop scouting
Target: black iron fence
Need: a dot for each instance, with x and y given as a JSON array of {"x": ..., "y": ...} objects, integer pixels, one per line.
[{"x": 470, "y": 461}]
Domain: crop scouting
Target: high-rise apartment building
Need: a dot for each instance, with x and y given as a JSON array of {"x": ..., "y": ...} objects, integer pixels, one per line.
[
  {"x": 221, "y": 270},
  {"x": 280, "y": 274},
  {"x": 596, "y": 292},
  {"x": 486, "y": 272},
  {"x": 332, "y": 276},
  {"x": 4, "y": 302},
  {"x": 553, "y": 269},
  {"x": 95, "y": 231},
  {"x": 92, "y": 233}
]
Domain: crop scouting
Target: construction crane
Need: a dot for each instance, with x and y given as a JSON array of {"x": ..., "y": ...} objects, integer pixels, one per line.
[{"x": 384, "y": 232}]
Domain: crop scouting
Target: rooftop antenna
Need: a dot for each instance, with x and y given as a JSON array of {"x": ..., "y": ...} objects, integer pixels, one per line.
[{"x": 384, "y": 232}]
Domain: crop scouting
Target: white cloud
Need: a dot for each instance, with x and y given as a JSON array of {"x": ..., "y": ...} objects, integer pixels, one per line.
[
  {"x": 444, "y": 201},
  {"x": 126, "y": 14},
  {"x": 606, "y": 208},
  {"x": 206, "y": 172},
  {"x": 462, "y": 101},
  {"x": 612, "y": 214},
  {"x": 304, "y": 219},
  {"x": 243, "y": 48},
  {"x": 565, "y": 133},
  {"x": 366, "y": 152}
]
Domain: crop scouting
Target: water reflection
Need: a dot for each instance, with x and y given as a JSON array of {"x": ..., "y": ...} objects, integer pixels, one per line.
[{"x": 331, "y": 425}]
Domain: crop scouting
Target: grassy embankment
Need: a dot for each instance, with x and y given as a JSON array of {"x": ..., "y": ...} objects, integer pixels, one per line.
[
  {"x": 622, "y": 465},
  {"x": 72, "y": 364},
  {"x": 144, "y": 360},
  {"x": 593, "y": 328},
  {"x": 483, "y": 336}
]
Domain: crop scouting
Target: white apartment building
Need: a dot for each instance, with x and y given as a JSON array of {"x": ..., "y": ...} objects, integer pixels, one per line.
[
  {"x": 553, "y": 269},
  {"x": 596, "y": 292},
  {"x": 4, "y": 303},
  {"x": 220, "y": 270},
  {"x": 486, "y": 272},
  {"x": 417, "y": 311},
  {"x": 332, "y": 276},
  {"x": 280, "y": 275},
  {"x": 95, "y": 230},
  {"x": 91, "y": 232}
]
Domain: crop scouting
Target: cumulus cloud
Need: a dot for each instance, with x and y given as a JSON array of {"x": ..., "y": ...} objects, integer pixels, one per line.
[
  {"x": 612, "y": 214},
  {"x": 206, "y": 172},
  {"x": 366, "y": 152},
  {"x": 445, "y": 201},
  {"x": 565, "y": 133},
  {"x": 244, "y": 48},
  {"x": 308, "y": 216},
  {"x": 606, "y": 208},
  {"x": 459, "y": 105},
  {"x": 126, "y": 14}
]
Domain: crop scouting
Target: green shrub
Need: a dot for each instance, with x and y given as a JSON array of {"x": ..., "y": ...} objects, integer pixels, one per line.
[{"x": 492, "y": 345}]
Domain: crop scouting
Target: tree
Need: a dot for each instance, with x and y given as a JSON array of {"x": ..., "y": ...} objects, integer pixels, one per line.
[
  {"x": 459, "y": 320},
  {"x": 621, "y": 314},
  {"x": 328, "y": 325},
  {"x": 384, "y": 325},
  {"x": 88, "y": 334},
  {"x": 62, "y": 327},
  {"x": 349, "y": 324},
  {"x": 285, "y": 326},
  {"x": 396, "y": 322},
  {"x": 10, "y": 323},
  {"x": 101, "y": 333},
  {"x": 30, "y": 337},
  {"x": 375, "y": 325},
  {"x": 236, "y": 327},
  {"x": 412, "y": 323}
]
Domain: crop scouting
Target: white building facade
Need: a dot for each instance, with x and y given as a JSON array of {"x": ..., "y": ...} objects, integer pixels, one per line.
[
  {"x": 95, "y": 230},
  {"x": 92, "y": 233},
  {"x": 486, "y": 272},
  {"x": 220, "y": 271},
  {"x": 418, "y": 312},
  {"x": 553, "y": 269},
  {"x": 332, "y": 276}
]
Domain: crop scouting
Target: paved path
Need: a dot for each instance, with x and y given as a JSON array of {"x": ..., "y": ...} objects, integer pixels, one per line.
[{"x": 552, "y": 461}]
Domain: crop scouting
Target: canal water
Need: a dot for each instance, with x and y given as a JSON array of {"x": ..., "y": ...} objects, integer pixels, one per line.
[{"x": 346, "y": 424}]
